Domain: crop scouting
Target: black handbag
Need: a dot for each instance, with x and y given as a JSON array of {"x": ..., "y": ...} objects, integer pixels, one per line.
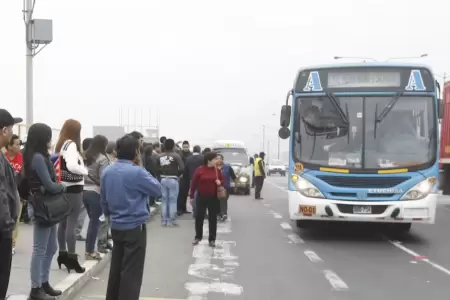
[{"x": 50, "y": 209}]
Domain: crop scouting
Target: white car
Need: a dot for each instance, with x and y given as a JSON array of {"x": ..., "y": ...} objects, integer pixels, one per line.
[{"x": 276, "y": 167}]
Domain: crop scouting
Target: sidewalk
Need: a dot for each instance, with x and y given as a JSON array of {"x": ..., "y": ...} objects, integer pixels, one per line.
[{"x": 19, "y": 285}]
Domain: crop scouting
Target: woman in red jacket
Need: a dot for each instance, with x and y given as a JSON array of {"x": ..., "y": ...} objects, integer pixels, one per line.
[{"x": 206, "y": 181}]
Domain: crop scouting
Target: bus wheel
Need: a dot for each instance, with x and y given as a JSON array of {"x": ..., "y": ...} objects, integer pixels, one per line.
[
  {"x": 302, "y": 224},
  {"x": 402, "y": 227}
]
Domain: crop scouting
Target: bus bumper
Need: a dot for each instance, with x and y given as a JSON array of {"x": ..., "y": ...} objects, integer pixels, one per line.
[{"x": 416, "y": 211}]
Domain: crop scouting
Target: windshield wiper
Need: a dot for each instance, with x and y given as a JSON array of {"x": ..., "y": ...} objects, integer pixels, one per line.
[
  {"x": 384, "y": 112},
  {"x": 333, "y": 100},
  {"x": 388, "y": 107}
]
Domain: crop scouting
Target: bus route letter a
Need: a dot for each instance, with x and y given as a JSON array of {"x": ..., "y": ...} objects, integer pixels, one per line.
[
  {"x": 313, "y": 84},
  {"x": 415, "y": 82}
]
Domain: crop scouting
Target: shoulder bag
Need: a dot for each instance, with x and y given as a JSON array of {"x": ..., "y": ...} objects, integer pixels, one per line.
[
  {"x": 50, "y": 209},
  {"x": 221, "y": 191}
]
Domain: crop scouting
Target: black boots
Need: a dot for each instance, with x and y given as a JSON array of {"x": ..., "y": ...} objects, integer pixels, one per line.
[
  {"x": 49, "y": 290},
  {"x": 62, "y": 258},
  {"x": 39, "y": 294},
  {"x": 70, "y": 261}
]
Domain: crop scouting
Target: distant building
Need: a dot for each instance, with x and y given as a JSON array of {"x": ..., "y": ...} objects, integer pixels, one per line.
[{"x": 112, "y": 133}]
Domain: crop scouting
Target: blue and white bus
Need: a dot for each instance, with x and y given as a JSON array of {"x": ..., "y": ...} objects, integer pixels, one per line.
[{"x": 363, "y": 144}]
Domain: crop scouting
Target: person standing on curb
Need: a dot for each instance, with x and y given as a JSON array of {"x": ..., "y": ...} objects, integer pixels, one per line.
[
  {"x": 124, "y": 189},
  {"x": 83, "y": 212},
  {"x": 9, "y": 202},
  {"x": 15, "y": 159}
]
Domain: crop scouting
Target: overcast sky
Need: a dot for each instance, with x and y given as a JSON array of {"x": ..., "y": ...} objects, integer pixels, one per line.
[{"x": 216, "y": 69}]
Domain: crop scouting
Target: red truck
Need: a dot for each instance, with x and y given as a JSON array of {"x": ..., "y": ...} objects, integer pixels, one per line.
[{"x": 444, "y": 128}]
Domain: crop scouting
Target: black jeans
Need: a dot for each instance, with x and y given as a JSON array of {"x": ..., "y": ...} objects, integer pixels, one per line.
[
  {"x": 210, "y": 203},
  {"x": 182, "y": 196},
  {"x": 127, "y": 263},
  {"x": 259, "y": 181},
  {"x": 5, "y": 262}
]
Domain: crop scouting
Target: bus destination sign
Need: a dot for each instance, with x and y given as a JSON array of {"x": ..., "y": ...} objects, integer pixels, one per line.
[
  {"x": 363, "y": 79},
  {"x": 375, "y": 79}
]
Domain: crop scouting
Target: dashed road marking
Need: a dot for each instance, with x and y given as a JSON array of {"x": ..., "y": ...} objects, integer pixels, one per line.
[
  {"x": 286, "y": 226},
  {"x": 295, "y": 239},
  {"x": 414, "y": 254},
  {"x": 313, "y": 257},
  {"x": 284, "y": 189},
  {"x": 336, "y": 282},
  {"x": 275, "y": 214}
]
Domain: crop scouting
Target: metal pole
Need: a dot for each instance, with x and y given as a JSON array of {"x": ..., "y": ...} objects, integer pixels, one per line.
[
  {"x": 264, "y": 137},
  {"x": 29, "y": 63},
  {"x": 278, "y": 151}
]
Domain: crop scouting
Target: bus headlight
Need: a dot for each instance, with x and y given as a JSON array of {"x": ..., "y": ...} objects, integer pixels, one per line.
[
  {"x": 306, "y": 188},
  {"x": 420, "y": 190}
]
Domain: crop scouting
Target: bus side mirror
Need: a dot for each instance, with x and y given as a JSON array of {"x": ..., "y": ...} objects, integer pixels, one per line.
[
  {"x": 285, "y": 116},
  {"x": 284, "y": 133},
  {"x": 440, "y": 108}
]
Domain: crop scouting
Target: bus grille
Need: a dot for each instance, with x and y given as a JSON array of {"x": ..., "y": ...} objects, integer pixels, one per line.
[{"x": 362, "y": 182}]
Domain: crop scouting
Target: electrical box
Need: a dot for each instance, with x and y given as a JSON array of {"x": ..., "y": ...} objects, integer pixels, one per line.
[{"x": 41, "y": 31}]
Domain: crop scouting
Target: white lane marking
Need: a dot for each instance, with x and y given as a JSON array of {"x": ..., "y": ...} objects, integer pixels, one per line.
[
  {"x": 275, "y": 214},
  {"x": 286, "y": 226},
  {"x": 295, "y": 239},
  {"x": 426, "y": 260},
  {"x": 210, "y": 276},
  {"x": 313, "y": 257},
  {"x": 284, "y": 189},
  {"x": 336, "y": 282},
  {"x": 266, "y": 205}
]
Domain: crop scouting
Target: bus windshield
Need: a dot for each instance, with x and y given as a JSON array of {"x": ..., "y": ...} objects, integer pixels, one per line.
[
  {"x": 234, "y": 156},
  {"x": 404, "y": 136}
]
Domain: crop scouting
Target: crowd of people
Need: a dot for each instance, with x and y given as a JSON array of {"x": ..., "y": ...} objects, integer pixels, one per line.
[{"x": 114, "y": 184}]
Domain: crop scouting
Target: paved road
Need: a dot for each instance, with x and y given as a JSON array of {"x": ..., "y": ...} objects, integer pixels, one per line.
[{"x": 261, "y": 255}]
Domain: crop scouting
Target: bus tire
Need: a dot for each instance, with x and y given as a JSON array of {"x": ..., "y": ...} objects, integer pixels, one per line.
[
  {"x": 302, "y": 224},
  {"x": 402, "y": 227},
  {"x": 445, "y": 180}
]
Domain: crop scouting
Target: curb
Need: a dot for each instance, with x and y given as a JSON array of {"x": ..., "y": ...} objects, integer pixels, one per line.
[{"x": 74, "y": 282}]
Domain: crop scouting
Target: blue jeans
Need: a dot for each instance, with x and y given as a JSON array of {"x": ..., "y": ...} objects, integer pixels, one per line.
[
  {"x": 170, "y": 188},
  {"x": 91, "y": 200},
  {"x": 45, "y": 246}
]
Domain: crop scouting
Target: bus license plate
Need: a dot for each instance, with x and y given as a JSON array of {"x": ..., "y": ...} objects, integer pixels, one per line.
[
  {"x": 307, "y": 210},
  {"x": 364, "y": 209}
]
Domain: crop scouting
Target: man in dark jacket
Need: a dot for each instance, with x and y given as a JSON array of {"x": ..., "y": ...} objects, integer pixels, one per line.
[
  {"x": 192, "y": 163},
  {"x": 184, "y": 182},
  {"x": 171, "y": 166},
  {"x": 9, "y": 201}
]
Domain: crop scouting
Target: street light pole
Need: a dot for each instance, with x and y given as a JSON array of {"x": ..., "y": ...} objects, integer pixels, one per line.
[
  {"x": 408, "y": 57},
  {"x": 264, "y": 137},
  {"x": 28, "y": 14},
  {"x": 354, "y": 57},
  {"x": 278, "y": 151}
]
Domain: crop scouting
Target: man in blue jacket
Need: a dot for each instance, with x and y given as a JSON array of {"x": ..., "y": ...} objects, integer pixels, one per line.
[{"x": 125, "y": 187}]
